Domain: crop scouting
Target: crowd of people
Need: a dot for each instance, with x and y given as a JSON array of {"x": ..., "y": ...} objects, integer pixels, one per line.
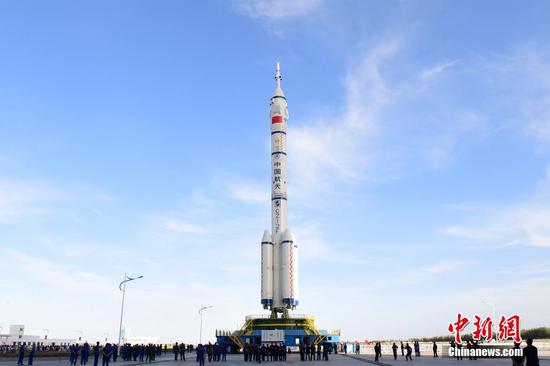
[
  {"x": 179, "y": 350},
  {"x": 80, "y": 354},
  {"x": 214, "y": 352},
  {"x": 263, "y": 353},
  {"x": 313, "y": 353},
  {"x": 529, "y": 355},
  {"x": 139, "y": 352},
  {"x": 13, "y": 348}
]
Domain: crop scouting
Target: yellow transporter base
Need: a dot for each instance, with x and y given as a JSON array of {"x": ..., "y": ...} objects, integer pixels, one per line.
[{"x": 298, "y": 329}]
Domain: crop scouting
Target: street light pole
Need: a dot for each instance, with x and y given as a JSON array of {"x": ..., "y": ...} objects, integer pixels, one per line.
[
  {"x": 122, "y": 287},
  {"x": 81, "y": 334},
  {"x": 494, "y": 319},
  {"x": 200, "y": 313}
]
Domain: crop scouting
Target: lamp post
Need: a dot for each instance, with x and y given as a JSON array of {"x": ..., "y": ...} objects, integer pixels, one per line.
[
  {"x": 494, "y": 319},
  {"x": 201, "y": 309},
  {"x": 122, "y": 287},
  {"x": 81, "y": 333}
]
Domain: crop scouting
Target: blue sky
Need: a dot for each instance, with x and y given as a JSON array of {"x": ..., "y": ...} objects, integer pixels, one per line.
[{"x": 134, "y": 138}]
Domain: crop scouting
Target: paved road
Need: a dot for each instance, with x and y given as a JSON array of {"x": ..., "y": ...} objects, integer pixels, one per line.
[
  {"x": 337, "y": 360},
  {"x": 440, "y": 361},
  {"x": 64, "y": 361}
]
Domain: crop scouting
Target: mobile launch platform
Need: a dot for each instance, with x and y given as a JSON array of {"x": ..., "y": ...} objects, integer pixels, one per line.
[{"x": 292, "y": 330}]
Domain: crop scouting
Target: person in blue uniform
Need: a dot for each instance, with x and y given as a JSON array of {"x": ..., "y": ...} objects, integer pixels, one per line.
[
  {"x": 31, "y": 354},
  {"x": 74, "y": 350},
  {"x": 21, "y": 354},
  {"x": 115, "y": 352},
  {"x": 200, "y": 355},
  {"x": 141, "y": 352},
  {"x": 96, "y": 353},
  {"x": 107, "y": 353},
  {"x": 85, "y": 353},
  {"x": 175, "y": 350},
  {"x": 71, "y": 354}
]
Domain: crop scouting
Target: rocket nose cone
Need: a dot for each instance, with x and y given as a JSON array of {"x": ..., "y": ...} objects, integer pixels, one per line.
[
  {"x": 278, "y": 92},
  {"x": 293, "y": 237},
  {"x": 287, "y": 236},
  {"x": 266, "y": 237}
]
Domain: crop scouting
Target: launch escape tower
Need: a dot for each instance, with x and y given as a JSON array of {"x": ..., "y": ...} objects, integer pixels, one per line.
[{"x": 279, "y": 264}]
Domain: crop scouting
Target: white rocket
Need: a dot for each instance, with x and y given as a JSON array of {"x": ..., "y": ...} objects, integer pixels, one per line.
[{"x": 279, "y": 248}]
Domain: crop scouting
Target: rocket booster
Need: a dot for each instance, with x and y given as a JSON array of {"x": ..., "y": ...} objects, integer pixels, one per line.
[{"x": 279, "y": 248}]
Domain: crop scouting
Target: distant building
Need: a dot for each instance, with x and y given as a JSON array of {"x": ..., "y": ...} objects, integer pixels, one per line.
[
  {"x": 142, "y": 340},
  {"x": 127, "y": 338},
  {"x": 17, "y": 336}
]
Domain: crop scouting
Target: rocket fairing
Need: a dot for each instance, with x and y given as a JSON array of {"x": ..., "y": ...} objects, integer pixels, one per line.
[{"x": 279, "y": 248}]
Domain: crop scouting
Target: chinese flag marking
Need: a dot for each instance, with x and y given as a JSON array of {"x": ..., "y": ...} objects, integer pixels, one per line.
[{"x": 277, "y": 119}]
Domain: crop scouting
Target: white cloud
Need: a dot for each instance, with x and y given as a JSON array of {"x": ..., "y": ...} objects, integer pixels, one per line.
[
  {"x": 518, "y": 226},
  {"x": 59, "y": 290},
  {"x": 198, "y": 198},
  {"x": 278, "y": 9},
  {"x": 24, "y": 199},
  {"x": 371, "y": 139},
  {"x": 476, "y": 233},
  {"x": 311, "y": 241},
  {"x": 250, "y": 193},
  {"x": 83, "y": 249},
  {"x": 531, "y": 268},
  {"x": 348, "y": 260},
  {"x": 53, "y": 275},
  {"x": 460, "y": 207},
  {"x": 182, "y": 226},
  {"x": 523, "y": 75},
  {"x": 522, "y": 224},
  {"x": 329, "y": 150},
  {"x": 446, "y": 266},
  {"x": 21, "y": 199},
  {"x": 534, "y": 224},
  {"x": 437, "y": 69}
]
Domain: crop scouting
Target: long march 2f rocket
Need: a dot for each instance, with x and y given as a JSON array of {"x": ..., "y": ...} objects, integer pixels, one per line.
[{"x": 279, "y": 248}]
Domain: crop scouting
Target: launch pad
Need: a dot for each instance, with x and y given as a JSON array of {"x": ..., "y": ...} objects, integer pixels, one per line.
[{"x": 292, "y": 330}]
